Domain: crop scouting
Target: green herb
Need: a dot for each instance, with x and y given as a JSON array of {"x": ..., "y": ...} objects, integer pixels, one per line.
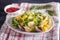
[
  {"x": 15, "y": 23},
  {"x": 24, "y": 23},
  {"x": 47, "y": 6},
  {"x": 32, "y": 7},
  {"x": 50, "y": 12},
  {"x": 40, "y": 7}
]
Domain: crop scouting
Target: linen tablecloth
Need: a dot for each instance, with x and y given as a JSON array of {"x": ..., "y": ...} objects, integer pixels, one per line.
[{"x": 9, "y": 34}]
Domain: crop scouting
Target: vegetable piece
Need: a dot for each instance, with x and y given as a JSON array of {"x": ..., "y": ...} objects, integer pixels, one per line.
[
  {"x": 30, "y": 18},
  {"x": 46, "y": 27},
  {"x": 24, "y": 23},
  {"x": 49, "y": 21},
  {"x": 27, "y": 29},
  {"x": 38, "y": 29},
  {"x": 44, "y": 16},
  {"x": 31, "y": 24},
  {"x": 14, "y": 20},
  {"x": 35, "y": 20},
  {"x": 47, "y": 6},
  {"x": 21, "y": 27},
  {"x": 15, "y": 23},
  {"x": 41, "y": 19},
  {"x": 18, "y": 18},
  {"x": 38, "y": 13},
  {"x": 40, "y": 7},
  {"x": 50, "y": 12},
  {"x": 45, "y": 23},
  {"x": 30, "y": 29},
  {"x": 24, "y": 17},
  {"x": 32, "y": 7}
]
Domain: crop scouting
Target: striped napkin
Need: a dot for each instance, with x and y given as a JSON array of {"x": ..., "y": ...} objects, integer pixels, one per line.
[{"x": 9, "y": 34}]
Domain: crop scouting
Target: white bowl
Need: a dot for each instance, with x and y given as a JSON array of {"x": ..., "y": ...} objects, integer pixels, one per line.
[{"x": 9, "y": 23}]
